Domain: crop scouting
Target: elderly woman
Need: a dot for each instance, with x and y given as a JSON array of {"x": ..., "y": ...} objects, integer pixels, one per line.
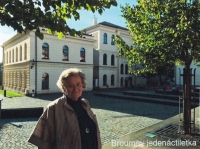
[{"x": 68, "y": 122}]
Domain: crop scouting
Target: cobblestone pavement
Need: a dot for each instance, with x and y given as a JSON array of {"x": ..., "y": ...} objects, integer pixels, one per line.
[{"x": 116, "y": 118}]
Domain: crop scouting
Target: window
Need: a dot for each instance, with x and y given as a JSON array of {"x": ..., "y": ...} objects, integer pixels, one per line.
[
  {"x": 104, "y": 80},
  {"x": 25, "y": 51},
  {"x": 112, "y": 60},
  {"x": 112, "y": 80},
  {"x": 126, "y": 69},
  {"x": 45, "y": 51},
  {"x": 105, "y": 38},
  {"x": 13, "y": 55},
  {"x": 16, "y": 54},
  {"x": 45, "y": 81},
  {"x": 82, "y": 55},
  {"x": 122, "y": 81},
  {"x": 20, "y": 53},
  {"x": 10, "y": 56},
  {"x": 7, "y": 58},
  {"x": 112, "y": 40},
  {"x": 4, "y": 61},
  {"x": 65, "y": 53},
  {"x": 122, "y": 69},
  {"x": 104, "y": 59}
]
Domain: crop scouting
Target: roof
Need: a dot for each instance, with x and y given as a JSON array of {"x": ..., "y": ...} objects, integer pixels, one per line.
[{"x": 112, "y": 25}]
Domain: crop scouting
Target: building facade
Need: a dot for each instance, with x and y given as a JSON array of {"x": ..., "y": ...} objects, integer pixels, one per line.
[
  {"x": 195, "y": 72},
  {"x": 32, "y": 65},
  {"x": 109, "y": 68}
]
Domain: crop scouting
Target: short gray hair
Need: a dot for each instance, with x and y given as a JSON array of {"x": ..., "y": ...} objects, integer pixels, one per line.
[{"x": 68, "y": 73}]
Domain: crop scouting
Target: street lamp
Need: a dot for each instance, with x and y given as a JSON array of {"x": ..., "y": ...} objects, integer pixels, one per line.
[{"x": 32, "y": 64}]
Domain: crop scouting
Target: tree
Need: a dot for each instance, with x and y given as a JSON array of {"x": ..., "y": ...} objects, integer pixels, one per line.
[
  {"x": 167, "y": 71},
  {"x": 164, "y": 32},
  {"x": 26, "y": 15}
]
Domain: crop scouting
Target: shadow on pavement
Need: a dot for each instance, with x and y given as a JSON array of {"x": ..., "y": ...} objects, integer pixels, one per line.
[
  {"x": 151, "y": 110},
  {"x": 13, "y": 121},
  {"x": 132, "y": 108}
]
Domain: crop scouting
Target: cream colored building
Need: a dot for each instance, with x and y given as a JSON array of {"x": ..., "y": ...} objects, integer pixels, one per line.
[
  {"x": 34, "y": 65},
  {"x": 109, "y": 68}
]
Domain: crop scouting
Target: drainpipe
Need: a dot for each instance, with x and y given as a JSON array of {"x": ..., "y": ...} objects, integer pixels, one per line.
[
  {"x": 118, "y": 78},
  {"x": 3, "y": 62},
  {"x": 35, "y": 65}
]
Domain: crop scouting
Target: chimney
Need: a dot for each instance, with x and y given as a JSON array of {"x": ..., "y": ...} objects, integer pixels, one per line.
[{"x": 94, "y": 21}]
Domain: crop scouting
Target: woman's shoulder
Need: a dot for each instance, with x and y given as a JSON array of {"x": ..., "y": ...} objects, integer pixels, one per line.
[
  {"x": 85, "y": 101},
  {"x": 57, "y": 101}
]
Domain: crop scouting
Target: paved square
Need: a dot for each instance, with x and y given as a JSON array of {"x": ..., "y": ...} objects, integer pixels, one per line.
[{"x": 116, "y": 118}]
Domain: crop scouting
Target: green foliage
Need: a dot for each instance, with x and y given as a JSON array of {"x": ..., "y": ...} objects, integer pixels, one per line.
[
  {"x": 27, "y": 15},
  {"x": 164, "y": 32}
]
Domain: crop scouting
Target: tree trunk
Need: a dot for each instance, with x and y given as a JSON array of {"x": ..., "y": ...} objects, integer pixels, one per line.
[{"x": 187, "y": 99}]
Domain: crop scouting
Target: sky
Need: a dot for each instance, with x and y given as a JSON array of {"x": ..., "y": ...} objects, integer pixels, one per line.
[{"x": 112, "y": 15}]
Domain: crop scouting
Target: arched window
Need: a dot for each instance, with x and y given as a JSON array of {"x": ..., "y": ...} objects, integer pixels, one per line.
[
  {"x": 65, "y": 53},
  {"x": 105, "y": 38},
  {"x": 104, "y": 59},
  {"x": 7, "y": 58},
  {"x": 45, "y": 51},
  {"x": 126, "y": 69},
  {"x": 16, "y": 54},
  {"x": 13, "y": 55},
  {"x": 4, "y": 60},
  {"x": 45, "y": 81},
  {"x": 112, "y": 80},
  {"x": 82, "y": 55},
  {"x": 20, "y": 53},
  {"x": 25, "y": 51},
  {"x": 122, "y": 81},
  {"x": 112, "y": 60},
  {"x": 112, "y": 40},
  {"x": 10, "y": 56},
  {"x": 104, "y": 80},
  {"x": 122, "y": 68}
]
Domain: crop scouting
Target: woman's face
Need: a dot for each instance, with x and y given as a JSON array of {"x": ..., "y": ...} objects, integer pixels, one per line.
[{"x": 74, "y": 87}]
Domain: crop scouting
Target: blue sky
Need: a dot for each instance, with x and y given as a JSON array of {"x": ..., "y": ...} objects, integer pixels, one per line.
[{"x": 111, "y": 15}]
